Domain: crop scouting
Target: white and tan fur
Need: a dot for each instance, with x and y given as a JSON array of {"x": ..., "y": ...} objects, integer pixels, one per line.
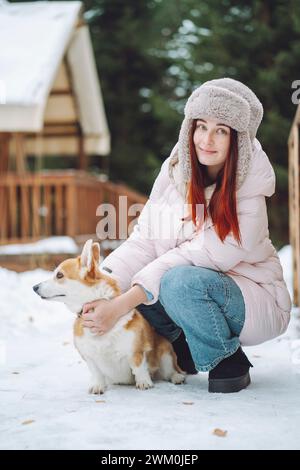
[{"x": 131, "y": 352}]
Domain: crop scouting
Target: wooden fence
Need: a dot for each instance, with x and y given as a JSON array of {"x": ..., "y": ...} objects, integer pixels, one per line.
[
  {"x": 40, "y": 205},
  {"x": 294, "y": 203}
]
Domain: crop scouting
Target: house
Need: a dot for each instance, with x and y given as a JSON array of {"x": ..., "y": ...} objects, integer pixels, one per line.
[{"x": 50, "y": 105}]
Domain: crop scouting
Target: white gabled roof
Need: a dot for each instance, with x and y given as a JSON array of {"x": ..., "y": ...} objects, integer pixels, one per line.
[{"x": 34, "y": 38}]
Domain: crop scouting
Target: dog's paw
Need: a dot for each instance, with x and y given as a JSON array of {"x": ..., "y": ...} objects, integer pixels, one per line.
[
  {"x": 177, "y": 378},
  {"x": 144, "y": 384},
  {"x": 97, "y": 389}
]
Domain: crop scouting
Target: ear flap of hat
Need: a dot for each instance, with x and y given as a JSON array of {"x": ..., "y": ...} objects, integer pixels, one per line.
[
  {"x": 245, "y": 155},
  {"x": 183, "y": 149}
]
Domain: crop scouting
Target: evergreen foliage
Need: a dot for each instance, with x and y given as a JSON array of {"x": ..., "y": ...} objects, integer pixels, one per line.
[{"x": 151, "y": 54}]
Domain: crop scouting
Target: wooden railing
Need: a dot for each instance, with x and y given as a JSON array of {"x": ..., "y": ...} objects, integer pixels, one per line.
[
  {"x": 294, "y": 203},
  {"x": 43, "y": 204}
]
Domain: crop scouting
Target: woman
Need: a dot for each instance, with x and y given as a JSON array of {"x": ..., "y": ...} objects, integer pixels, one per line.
[{"x": 214, "y": 282}]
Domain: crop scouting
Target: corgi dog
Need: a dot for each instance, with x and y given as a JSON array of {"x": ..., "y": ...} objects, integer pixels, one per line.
[{"x": 131, "y": 352}]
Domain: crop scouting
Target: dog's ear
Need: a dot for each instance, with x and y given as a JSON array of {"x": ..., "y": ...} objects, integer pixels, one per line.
[
  {"x": 96, "y": 252},
  {"x": 86, "y": 257},
  {"x": 90, "y": 259}
]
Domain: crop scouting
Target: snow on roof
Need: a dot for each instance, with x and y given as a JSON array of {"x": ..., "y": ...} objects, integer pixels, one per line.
[{"x": 35, "y": 36}]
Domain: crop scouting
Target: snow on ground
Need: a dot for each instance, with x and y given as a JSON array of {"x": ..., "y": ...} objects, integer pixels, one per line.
[
  {"x": 45, "y": 404},
  {"x": 46, "y": 245}
]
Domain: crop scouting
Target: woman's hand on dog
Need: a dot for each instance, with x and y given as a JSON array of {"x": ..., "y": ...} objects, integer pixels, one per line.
[{"x": 100, "y": 316}]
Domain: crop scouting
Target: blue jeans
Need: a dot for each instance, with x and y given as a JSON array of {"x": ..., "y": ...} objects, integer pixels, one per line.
[{"x": 207, "y": 305}]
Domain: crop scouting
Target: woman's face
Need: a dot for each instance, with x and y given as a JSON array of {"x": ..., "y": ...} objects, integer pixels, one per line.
[{"x": 212, "y": 141}]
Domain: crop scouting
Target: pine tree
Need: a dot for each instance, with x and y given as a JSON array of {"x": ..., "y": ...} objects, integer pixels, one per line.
[
  {"x": 124, "y": 36},
  {"x": 257, "y": 42},
  {"x": 151, "y": 54}
]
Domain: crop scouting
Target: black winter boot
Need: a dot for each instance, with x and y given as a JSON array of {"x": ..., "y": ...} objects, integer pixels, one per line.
[
  {"x": 183, "y": 353},
  {"x": 231, "y": 374}
]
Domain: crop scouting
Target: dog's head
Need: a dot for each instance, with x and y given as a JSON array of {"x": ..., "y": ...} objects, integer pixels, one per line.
[{"x": 76, "y": 280}]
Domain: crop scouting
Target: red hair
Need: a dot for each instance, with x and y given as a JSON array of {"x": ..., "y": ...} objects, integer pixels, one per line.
[{"x": 222, "y": 206}]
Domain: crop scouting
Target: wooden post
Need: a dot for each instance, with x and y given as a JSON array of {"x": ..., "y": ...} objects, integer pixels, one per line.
[
  {"x": 59, "y": 208},
  {"x": 82, "y": 164},
  {"x": 13, "y": 207},
  {"x": 71, "y": 209},
  {"x": 36, "y": 204},
  {"x": 296, "y": 215},
  {"x": 3, "y": 210},
  {"x": 294, "y": 206},
  {"x": 20, "y": 153},
  {"x": 4, "y": 158},
  {"x": 48, "y": 207},
  {"x": 24, "y": 207},
  {"x": 4, "y": 151}
]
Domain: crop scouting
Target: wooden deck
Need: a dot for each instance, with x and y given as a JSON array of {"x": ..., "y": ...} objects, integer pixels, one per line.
[{"x": 39, "y": 205}]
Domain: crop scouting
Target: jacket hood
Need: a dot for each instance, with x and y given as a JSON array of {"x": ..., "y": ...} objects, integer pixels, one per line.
[{"x": 260, "y": 179}]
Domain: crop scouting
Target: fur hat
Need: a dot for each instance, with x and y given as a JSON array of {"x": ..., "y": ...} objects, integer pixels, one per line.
[{"x": 235, "y": 105}]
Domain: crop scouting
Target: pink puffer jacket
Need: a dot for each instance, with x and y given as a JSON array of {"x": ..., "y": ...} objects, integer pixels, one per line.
[{"x": 148, "y": 253}]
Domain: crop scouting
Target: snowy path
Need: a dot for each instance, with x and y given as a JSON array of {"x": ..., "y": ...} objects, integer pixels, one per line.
[{"x": 44, "y": 381}]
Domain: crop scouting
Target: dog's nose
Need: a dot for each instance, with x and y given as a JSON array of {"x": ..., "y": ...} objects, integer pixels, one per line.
[{"x": 36, "y": 287}]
